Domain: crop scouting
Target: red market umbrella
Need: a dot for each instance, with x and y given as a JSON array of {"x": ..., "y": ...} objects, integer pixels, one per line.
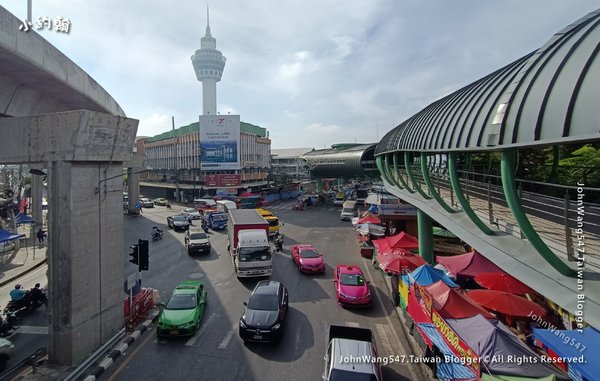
[
  {"x": 502, "y": 282},
  {"x": 369, "y": 220},
  {"x": 403, "y": 241},
  {"x": 505, "y": 303},
  {"x": 396, "y": 262}
]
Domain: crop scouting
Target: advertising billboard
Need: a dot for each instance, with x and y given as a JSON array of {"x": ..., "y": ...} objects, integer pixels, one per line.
[{"x": 219, "y": 142}]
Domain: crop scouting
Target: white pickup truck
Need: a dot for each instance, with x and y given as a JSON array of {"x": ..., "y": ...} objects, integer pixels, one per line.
[{"x": 351, "y": 355}]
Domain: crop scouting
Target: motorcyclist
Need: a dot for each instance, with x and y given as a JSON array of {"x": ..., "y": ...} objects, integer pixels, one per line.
[
  {"x": 17, "y": 293},
  {"x": 156, "y": 232},
  {"x": 38, "y": 294},
  {"x": 278, "y": 240}
]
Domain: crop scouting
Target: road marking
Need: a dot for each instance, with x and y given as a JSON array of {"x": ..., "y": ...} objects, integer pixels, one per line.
[
  {"x": 225, "y": 341},
  {"x": 392, "y": 329},
  {"x": 381, "y": 330},
  {"x": 193, "y": 339},
  {"x": 33, "y": 329},
  {"x": 352, "y": 324}
]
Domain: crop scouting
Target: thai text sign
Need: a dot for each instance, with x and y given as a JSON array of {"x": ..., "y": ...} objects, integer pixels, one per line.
[
  {"x": 223, "y": 180},
  {"x": 396, "y": 210},
  {"x": 465, "y": 354}
]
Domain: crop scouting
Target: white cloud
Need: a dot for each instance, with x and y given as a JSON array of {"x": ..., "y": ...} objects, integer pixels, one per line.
[{"x": 314, "y": 72}]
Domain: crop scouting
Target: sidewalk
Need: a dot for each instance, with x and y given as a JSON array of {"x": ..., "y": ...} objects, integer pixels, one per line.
[{"x": 14, "y": 264}]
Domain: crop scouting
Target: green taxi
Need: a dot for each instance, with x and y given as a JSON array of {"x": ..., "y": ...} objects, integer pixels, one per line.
[{"x": 181, "y": 315}]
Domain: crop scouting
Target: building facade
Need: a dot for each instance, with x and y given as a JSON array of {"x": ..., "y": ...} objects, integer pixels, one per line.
[{"x": 287, "y": 163}]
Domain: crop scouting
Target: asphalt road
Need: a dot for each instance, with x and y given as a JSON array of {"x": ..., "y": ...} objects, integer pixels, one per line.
[
  {"x": 33, "y": 333},
  {"x": 216, "y": 352}
]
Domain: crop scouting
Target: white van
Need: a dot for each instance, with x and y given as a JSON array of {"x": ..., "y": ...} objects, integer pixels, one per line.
[
  {"x": 348, "y": 210},
  {"x": 204, "y": 203},
  {"x": 225, "y": 205}
]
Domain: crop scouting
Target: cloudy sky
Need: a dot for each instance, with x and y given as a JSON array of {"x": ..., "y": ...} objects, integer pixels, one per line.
[{"x": 313, "y": 72}]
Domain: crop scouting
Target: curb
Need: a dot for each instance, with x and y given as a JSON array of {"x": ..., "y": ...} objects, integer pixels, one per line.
[
  {"x": 11, "y": 279},
  {"x": 425, "y": 371},
  {"x": 95, "y": 371}
]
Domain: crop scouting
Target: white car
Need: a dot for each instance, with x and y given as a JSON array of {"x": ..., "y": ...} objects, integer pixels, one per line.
[
  {"x": 7, "y": 349},
  {"x": 191, "y": 213}
]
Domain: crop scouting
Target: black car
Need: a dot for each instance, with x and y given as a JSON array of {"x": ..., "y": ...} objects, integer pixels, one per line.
[
  {"x": 178, "y": 222},
  {"x": 265, "y": 312}
]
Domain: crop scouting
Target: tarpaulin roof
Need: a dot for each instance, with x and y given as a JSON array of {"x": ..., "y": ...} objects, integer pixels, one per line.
[
  {"x": 23, "y": 219},
  {"x": 369, "y": 220},
  {"x": 586, "y": 344},
  {"x": 403, "y": 241},
  {"x": 446, "y": 370},
  {"x": 5, "y": 236},
  {"x": 366, "y": 229},
  {"x": 469, "y": 264},
  {"x": 452, "y": 304},
  {"x": 495, "y": 377},
  {"x": 426, "y": 275},
  {"x": 492, "y": 338}
]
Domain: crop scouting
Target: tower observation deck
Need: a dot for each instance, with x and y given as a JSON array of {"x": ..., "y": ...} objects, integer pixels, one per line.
[{"x": 208, "y": 64}]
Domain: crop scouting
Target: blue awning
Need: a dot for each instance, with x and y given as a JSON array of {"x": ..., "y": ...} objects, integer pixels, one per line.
[
  {"x": 447, "y": 371},
  {"x": 5, "y": 236}
]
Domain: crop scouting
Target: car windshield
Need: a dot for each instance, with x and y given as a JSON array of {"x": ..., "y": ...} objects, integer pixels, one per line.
[
  {"x": 347, "y": 210},
  {"x": 198, "y": 236},
  {"x": 309, "y": 253},
  {"x": 179, "y": 218},
  {"x": 263, "y": 302},
  {"x": 251, "y": 254},
  {"x": 345, "y": 375},
  {"x": 190, "y": 210},
  {"x": 219, "y": 217},
  {"x": 352, "y": 280},
  {"x": 273, "y": 222},
  {"x": 181, "y": 302}
]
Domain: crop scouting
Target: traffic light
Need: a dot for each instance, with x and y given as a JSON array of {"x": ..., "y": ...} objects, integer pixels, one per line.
[
  {"x": 144, "y": 257},
  {"x": 134, "y": 254}
]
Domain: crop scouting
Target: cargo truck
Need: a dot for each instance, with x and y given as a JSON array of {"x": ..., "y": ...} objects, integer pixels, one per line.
[
  {"x": 248, "y": 243},
  {"x": 217, "y": 220}
]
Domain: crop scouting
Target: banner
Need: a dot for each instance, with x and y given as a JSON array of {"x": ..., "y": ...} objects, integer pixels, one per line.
[
  {"x": 396, "y": 210},
  {"x": 219, "y": 142},
  {"x": 464, "y": 353},
  {"x": 223, "y": 180}
]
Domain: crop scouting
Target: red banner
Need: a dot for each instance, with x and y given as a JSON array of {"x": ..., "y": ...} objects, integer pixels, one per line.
[{"x": 223, "y": 180}]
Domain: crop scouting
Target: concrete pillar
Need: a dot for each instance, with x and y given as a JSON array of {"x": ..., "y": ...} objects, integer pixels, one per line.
[
  {"x": 85, "y": 237},
  {"x": 37, "y": 188},
  {"x": 319, "y": 184},
  {"x": 425, "y": 225},
  {"x": 133, "y": 190},
  {"x": 85, "y": 151}
]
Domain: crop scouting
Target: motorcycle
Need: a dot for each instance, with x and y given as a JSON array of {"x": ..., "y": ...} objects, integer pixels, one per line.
[
  {"x": 204, "y": 225},
  {"x": 278, "y": 243},
  {"x": 168, "y": 205},
  {"x": 10, "y": 323},
  {"x": 157, "y": 235},
  {"x": 30, "y": 302}
]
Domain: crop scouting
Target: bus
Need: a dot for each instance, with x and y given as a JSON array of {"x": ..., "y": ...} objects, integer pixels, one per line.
[{"x": 271, "y": 219}]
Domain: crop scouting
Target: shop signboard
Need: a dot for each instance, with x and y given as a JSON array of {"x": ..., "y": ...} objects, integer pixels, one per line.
[
  {"x": 223, "y": 180},
  {"x": 219, "y": 142},
  {"x": 396, "y": 210}
]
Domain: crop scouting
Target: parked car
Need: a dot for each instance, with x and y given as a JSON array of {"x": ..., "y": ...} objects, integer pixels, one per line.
[
  {"x": 181, "y": 315},
  {"x": 160, "y": 201},
  {"x": 191, "y": 213},
  {"x": 308, "y": 259},
  {"x": 265, "y": 313},
  {"x": 147, "y": 203},
  {"x": 197, "y": 241},
  {"x": 178, "y": 222},
  {"x": 351, "y": 288}
]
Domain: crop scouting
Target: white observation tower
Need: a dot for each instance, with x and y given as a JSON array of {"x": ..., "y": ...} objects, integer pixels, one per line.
[{"x": 208, "y": 64}]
